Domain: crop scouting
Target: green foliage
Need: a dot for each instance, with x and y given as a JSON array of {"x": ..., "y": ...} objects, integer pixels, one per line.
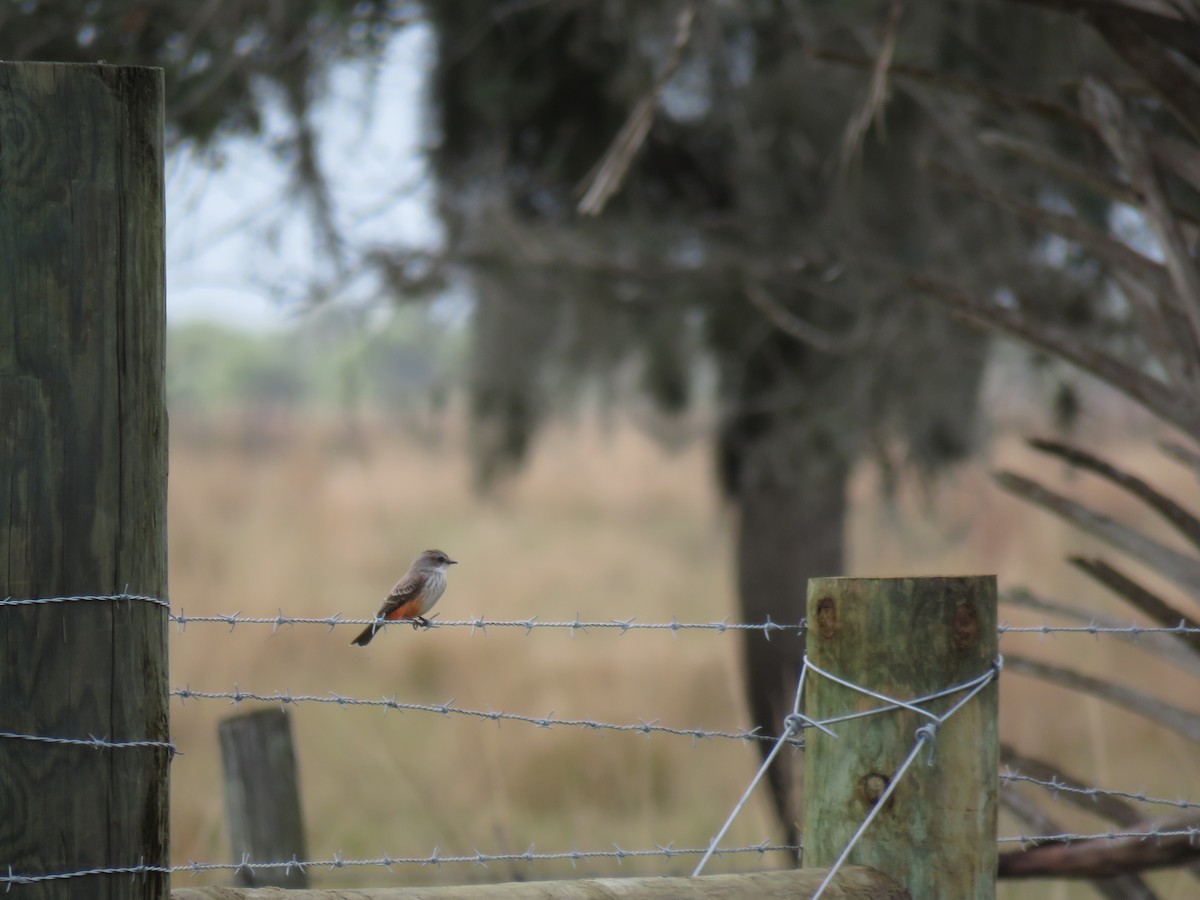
[
  {"x": 330, "y": 362},
  {"x": 742, "y": 187},
  {"x": 218, "y": 57}
]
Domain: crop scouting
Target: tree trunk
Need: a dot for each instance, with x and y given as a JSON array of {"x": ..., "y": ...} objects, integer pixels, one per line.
[{"x": 787, "y": 533}]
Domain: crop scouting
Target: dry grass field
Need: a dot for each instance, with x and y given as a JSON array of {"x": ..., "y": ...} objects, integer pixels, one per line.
[{"x": 606, "y": 524}]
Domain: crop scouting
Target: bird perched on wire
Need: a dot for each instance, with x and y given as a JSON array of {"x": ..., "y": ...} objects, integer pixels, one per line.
[{"x": 414, "y": 594}]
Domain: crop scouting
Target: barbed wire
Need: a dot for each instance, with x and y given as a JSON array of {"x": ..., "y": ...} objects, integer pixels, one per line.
[
  {"x": 621, "y": 626},
  {"x": 530, "y": 623},
  {"x": 482, "y": 624},
  {"x": 1192, "y": 832},
  {"x": 436, "y": 858},
  {"x": 1095, "y": 628},
  {"x": 448, "y": 708},
  {"x": 794, "y": 724},
  {"x": 476, "y": 623},
  {"x": 96, "y": 743},
  {"x": 791, "y": 725},
  {"x": 93, "y": 741},
  {"x": 1054, "y": 785},
  {"x": 925, "y": 735},
  {"x": 531, "y": 855},
  {"x": 12, "y": 877},
  {"x": 82, "y": 598}
]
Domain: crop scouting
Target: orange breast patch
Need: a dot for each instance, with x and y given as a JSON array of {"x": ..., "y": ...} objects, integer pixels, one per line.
[{"x": 409, "y": 610}]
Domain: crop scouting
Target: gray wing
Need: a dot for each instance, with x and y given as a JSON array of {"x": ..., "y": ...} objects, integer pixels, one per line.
[{"x": 404, "y": 590}]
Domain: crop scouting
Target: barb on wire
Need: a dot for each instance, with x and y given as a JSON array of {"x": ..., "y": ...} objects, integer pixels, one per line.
[
  {"x": 479, "y": 623},
  {"x": 449, "y": 709},
  {"x": 1055, "y": 785},
  {"x": 528, "y": 624},
  {"x": 1192, "y": 832},
  {"x": 1095, "y": 628},
  {"x": 621, "y": 626},
  {"x": 96, "y": 743},
  {"x": 436, "y": 858},
  {"x": 531, "y": 855},
  {"x": 791, "y": 724},
  {"x": 82, "y": 598},
  {"x": 11, "y": 877}
]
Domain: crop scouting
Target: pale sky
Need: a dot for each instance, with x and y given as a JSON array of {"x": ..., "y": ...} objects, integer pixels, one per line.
[{"x": 238, "y": 236}]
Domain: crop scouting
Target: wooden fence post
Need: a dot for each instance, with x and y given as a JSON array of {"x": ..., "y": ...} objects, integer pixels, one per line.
[
  {"x": 904, "y": 637},
  {"x": 262, "y": 796},
  {"x": 83, "y": 463}
]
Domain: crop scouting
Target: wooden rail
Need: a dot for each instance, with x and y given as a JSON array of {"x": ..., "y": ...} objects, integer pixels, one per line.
[{"x": 851, "y": 883}]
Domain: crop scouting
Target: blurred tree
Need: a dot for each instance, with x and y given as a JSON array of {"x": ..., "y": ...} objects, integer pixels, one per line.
[
  {"x": 225, "y": 62},
  {"x": 761, "y": 225},
  {"x": 1127, "y": 209},
  {"x": 218, "y": 56},
  {"x": 770, "y": 201}
]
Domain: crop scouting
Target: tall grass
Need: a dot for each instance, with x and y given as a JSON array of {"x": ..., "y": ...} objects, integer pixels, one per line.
[{"x": 604, "y": 524}]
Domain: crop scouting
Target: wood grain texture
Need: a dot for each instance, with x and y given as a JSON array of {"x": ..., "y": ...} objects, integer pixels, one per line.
[
  {"x": 82, "y": 473},
  {"x": 904, "y": 637}
]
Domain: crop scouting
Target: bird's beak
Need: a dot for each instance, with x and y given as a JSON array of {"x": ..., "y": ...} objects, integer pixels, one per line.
[{"x": 452, "y": 562}]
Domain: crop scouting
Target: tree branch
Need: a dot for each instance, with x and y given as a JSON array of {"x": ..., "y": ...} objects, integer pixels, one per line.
[
  {"x": 1102, "y": 857},
  {"x": 1182, "y": 520},
  {"x": 1184, "y": 570},
  {"x": 1177, "y": 719},
  {"x": 1105, "y": 110},
  {"x": 1170, "y": 648},
  {"x": 1144, "y": 389},
  {"x": 1149, "y": 603},
  {"x": 612, "y": 168}
]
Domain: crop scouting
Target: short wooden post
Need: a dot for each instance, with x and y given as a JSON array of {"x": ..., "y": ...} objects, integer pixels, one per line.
[
  {"x": 83, "y": 468},
  {"x": 262, "y": 796},
  {"x": 904, "y": 637}
]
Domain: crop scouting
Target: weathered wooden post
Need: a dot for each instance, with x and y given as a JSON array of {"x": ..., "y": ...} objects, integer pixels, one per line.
[
  {"x": 83, "y": 465},
  {"x": 262, "y": 796},
  {"x": 904, "y": 637}
]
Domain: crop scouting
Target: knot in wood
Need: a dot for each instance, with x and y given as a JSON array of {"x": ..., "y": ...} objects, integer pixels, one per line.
[
  {"x": 827, "y": 617},
  {"x": 871, "y": 787},
  {"x": 966, "y": 626}
]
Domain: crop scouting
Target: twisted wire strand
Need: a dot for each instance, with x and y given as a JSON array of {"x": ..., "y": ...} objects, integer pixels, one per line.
[
  {"x": 436, "y": 858},
  {"x": 529, "y": 623},
  {"x": 1191, "y": 832},
  {"x": 926, "y": 737},
  {"x": 448, "y": 708},
  {"x": 482, "y": 624},
  {"x": 82, "y": 598},
  {"x": 1056, "y": 786},
  {"x": 794, "y": 723},
  {"x": 1094, "y": 628},
  {"x": 96, "y": 743}
]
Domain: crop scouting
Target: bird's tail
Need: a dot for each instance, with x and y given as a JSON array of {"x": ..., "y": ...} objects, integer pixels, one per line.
[{"x": 365, "y": 638}]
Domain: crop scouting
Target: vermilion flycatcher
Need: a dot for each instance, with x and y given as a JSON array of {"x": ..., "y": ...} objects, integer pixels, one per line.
[{"x": 414, "y": 594}]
